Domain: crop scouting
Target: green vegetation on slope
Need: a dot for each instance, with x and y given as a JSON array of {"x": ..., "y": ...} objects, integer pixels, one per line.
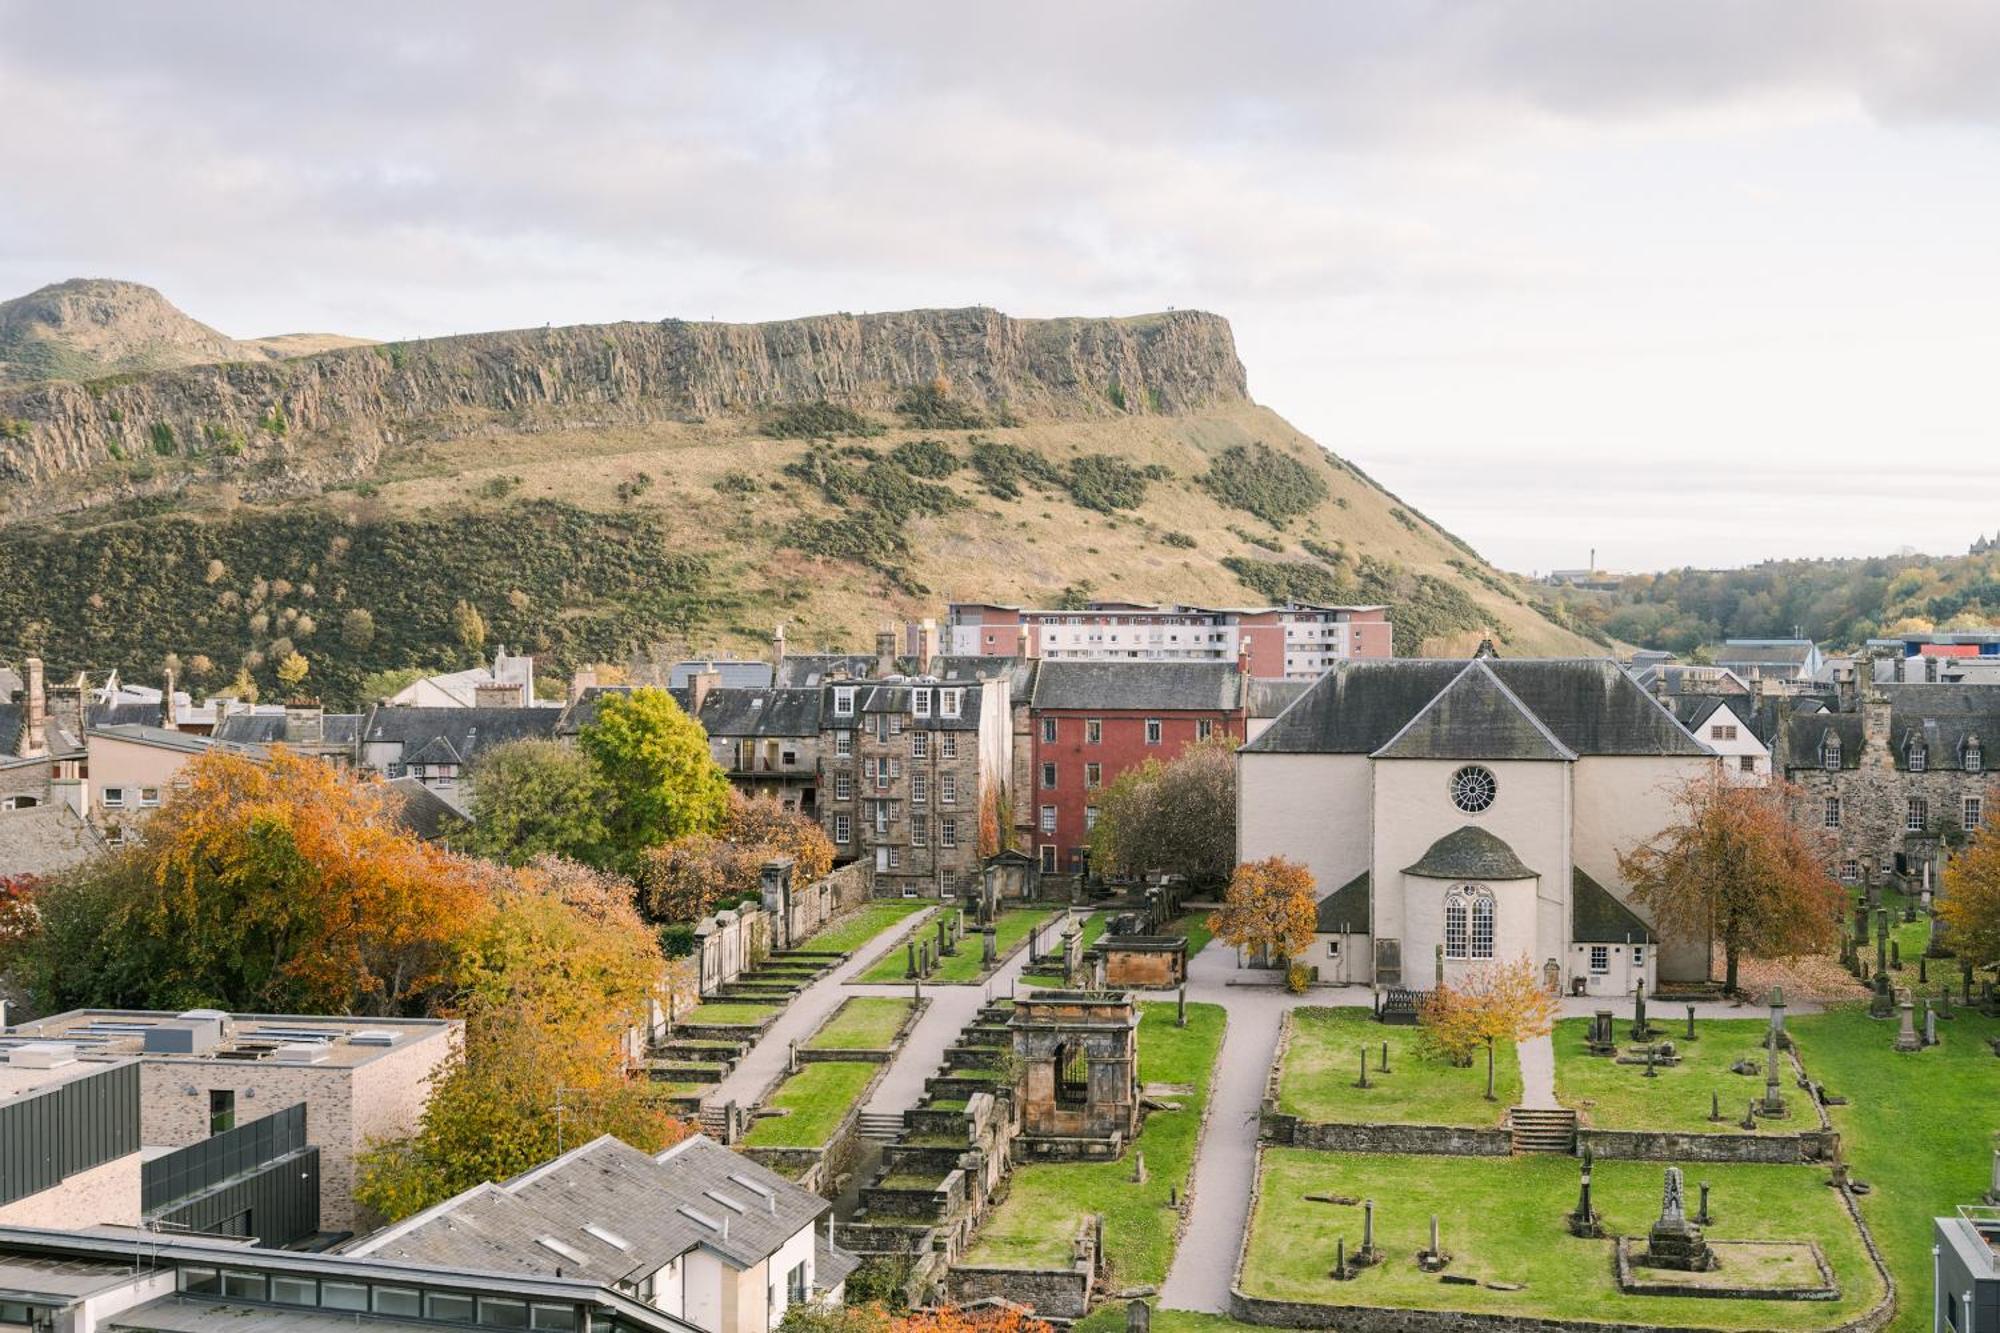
[{"x": 1275, "y": 487}]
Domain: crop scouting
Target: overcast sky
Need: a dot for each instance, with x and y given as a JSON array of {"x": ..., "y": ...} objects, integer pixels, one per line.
[{"x": 1698, "y": 282}]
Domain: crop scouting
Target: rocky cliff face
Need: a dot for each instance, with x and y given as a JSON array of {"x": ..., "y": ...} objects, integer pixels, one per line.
[
  {"x": 92, "y": 326},
  {"x": 349, "y": 405}
]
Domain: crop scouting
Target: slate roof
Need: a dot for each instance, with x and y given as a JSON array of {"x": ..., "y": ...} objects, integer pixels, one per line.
[
  {"x": 1737, "y": 653},
  {"x": 124, "y": 712},
  {"x": 1019, "y": 672},
  {"x": 1153, "y": 687},
  {"x": 453, "y": 735},
  {"x": 262, "y": 728},
  {"x": 727, "y": 712},
  {"x": 606, "y": 1192},
  {"x": 1587, "y": 705},
  {"x": 1475, "y": 717},
  {"x": 1346, "y": 909},
  {"x": 187, "y": 742},
  {"x": 424, "y": 811},
  {"x": 12, "y": 717},
  {"x": 1269, "y": 698},
  {"x": 736, "y": 675},
  {"x": 45, "y": 840},
  {"x": 1469, "y": 853},
  {"x": 895, "y": 698},
  {"x": 804, "y": 670},
  {"x": 10, "y": 681},
  {"x": 1802, "y": 739},
  {"x": 1683, "y": 678},
  {"x": 1597, "y": 917},
  {"x": 1944, "y": 717}
]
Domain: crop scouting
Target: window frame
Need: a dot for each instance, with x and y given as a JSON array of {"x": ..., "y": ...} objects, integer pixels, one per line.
[{"x": 1155, "y": 731}]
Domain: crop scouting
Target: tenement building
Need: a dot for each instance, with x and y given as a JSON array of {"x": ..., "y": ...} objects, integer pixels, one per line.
[
  {"x": 1295, "y": 641},
  {"x": 1474, "y": 811},
  {"x": 1894, "y": 774}
]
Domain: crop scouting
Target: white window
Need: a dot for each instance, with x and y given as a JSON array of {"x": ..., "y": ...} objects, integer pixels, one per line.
[
  {"x": 114, "y": 798},
  {"x": 947, "y": 789},
  {"x": 843, "y": 745},
  {"x": 1917, "y": 816},
  {"x": 948, "y": 745},
  {"x": 895, "y": 724},
  {"x": 1746, "y": 763},
  {"x": 1203, "y": 729},
  {"x": 149, "y": 796},
  {"x": 920, "y": 744},
  {"x": 920, "y": 827},
  {"x": 1975, "y": 810},
  {"x": 1048, "y": 819},
  {"x": 881, "y": 817},
  {"x": 895, "y": 858},
  {"x": 1152, "y": 731},
  {"x": 1093, "y": 775},
  {"x": 1468, "y": 922},
  {"x": 1975, "y": 759},
  {"x": 1048, "y": 854},
  {"x": 947, "y": 833},
  {"x": 948, "y": 702},
  {"x": 843, "y": 786},
  {"x": 1089, "y": 818},
  {"x": 920, "y": 703},
  {"x": 1829, "y": 751},
  {"x": 920, "y": 788},
  {"x": 1722, "y": 732},
  {"x": 843, "y": 701},
  {"x": 1919, "y": 757},
  {"x": 1850, "y": 871},
  {"x": 1048, "y": 731},
  {"x": 843, "y": 829},
  {"x": 1093, "y": 731},
  {"x": 1600, "y": 958},
  {"x": 1830, "y": 817}
]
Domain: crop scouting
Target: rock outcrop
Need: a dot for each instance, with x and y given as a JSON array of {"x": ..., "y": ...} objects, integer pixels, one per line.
[{"x": 349, "y": 405}]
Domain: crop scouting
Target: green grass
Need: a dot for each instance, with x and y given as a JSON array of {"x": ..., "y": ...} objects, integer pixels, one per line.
[
  {"x": 1195, "y": 926},
  {"x": 1092, "y": 927},
  {"x": 863, "y": 1023},
  {"x": 852, "y": 931},
  {"x": 1918, "y": 1127},
  {"x": 1608, "y": 1095},
  {"x": 818, "y": 1096},
  {"x": 1503, "y": 1221},
  {"x": 1911, "y": 937},
  {"x": 1046, "y": 1202},
  {"x": 966, "y": 965},
  {"x": 725, "y": 1012},
  {"x": 1323, "y": 1064}
]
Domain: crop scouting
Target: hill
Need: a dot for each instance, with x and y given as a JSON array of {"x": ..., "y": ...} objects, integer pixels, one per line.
[
  {"x": 89, "y": 327},
  {"x": 590, "y": 490}
]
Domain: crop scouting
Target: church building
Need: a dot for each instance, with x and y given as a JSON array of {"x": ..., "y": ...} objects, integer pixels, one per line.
[{"x": 1460, "y": 812}]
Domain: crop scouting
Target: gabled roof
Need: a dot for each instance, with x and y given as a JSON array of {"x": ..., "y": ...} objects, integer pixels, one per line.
[
  {"x": 453, "y": 735},
  {"x": 423, "y": 811},
  {"x": 1018, "y": 672},
  {"x": 45, "y": 840},
  {"x": 1469, "y": 853},
  {"x": 894, "y": 697},
  {"x": 736, "y": 675},
  {"x": 727, "y": 712},
  {"x": 1345, "y": 911},
  {"x": 159, "y": 738},
  {"x": 1596, "y": 917},
  {"x": 1475, "y": 717},
  {"x": 1589, "y": 706},
  {"x": 1269, "y": 698},
  {"x": 613, "y": 1213},
  {"x": 268, "y": 728},
  {"x": 805, "y": 670},
  {"x": 1162, "y": 687}
]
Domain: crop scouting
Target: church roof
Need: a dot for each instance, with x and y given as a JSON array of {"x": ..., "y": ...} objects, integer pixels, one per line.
[
  {"x": 1589, "y": 706},
  {"x": 1470, "y": 853},
  {"x": 1475, "y": 717},
  {"x": 1345, "y": 910},
  {"x": 1596, "y": 917}
]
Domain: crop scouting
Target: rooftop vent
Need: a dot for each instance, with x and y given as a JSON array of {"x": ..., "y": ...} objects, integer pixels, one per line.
[
  {"x": 375, "y": 1037},
  {"x": 731, "y": 1204},
  {"x": 43, "y": 1054},
  {"x": 299, "y": 1053},
  {"x": 567, "y": 1251},
  {"x": 608, "y": 1236}
]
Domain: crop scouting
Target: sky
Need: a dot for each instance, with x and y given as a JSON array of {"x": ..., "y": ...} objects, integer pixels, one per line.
[{"x": 1693, "y": 282}]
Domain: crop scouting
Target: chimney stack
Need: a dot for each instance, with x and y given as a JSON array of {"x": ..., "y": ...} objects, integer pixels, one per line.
[
  {"x": 66, "y": 710},
  {"x": 167, "y": 719},
  {"x": 305, "y": 722},
  {"x": 700, "y": 685},
  {"x": 1022, "y": 641},
  {"x": 35, "y": 713},
  {"x": 778, "y": 650},
  {"x": 927, "y": 647},
  {"x": 499, "y": 694},
  {"x": 584, "y": 679},
  {"x": 885, "y": 651},
  {"x": 1756, "y": 687}
]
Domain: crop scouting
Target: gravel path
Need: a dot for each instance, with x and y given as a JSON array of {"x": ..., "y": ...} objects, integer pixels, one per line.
[{"x": 1538, "y": 1072}]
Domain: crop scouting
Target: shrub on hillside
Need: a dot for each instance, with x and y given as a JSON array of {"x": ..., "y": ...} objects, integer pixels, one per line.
[
  {"x": 1272, "y": 485},
  {"x": 820, "y": 420},
  {"x": 931, "y": 459},
  {"x": 931, "y": 407}
]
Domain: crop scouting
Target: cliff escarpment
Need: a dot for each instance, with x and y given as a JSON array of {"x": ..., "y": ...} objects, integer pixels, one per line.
[{"x": 337, "y": 413}]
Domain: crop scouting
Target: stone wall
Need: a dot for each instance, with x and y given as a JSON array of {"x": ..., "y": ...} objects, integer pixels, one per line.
[
  {"x": 106, "y": 1194},
  {"x": 823, "y": 900},
  {"x": 1053, "y": 1293},
  {"x": 1435, "y": 1140},
  {"x": 1666, "y": 1146},
  {"x": 729, "y": 944}
]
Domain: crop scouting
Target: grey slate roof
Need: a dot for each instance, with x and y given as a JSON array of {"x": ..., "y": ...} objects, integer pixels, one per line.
[
  {"x": 1944, "y": 717},
  {"x": 1739, "y": 653},
  {"x": 424, "y": 812},
  {"x": 1469, "y": 853},
  {"x": 608, "y": 1185},
  {"x": 125, "y": 712},
  {"x": 187, "y": 742},
  {"x": 736, "y": 675},
  {"x": 1268, "y": 698},
  {"x": 45, "y": 840},
  {"x": 1475, "y": 717},
  {"x": 1712, "y": 680},
  {"x": 727, "y": 712},
  {"x": 1346, "y": 909},
  {"x": 804, "y": 670},
  {"x": 12, "y": 718},
  {"x": 895, "y": 698},
  {"x": 1019, "y": 672},
  {"x": 1596, "y": 917},
  {"x": 453, "y": 735},
  {"x": 269, "y": 728},
  {"x": 1162, "y": 687},
  {"x": 1587, "y": 705}
]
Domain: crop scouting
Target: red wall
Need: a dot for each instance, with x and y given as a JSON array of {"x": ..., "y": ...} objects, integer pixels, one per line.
[{"x": 1123, "y": 747}]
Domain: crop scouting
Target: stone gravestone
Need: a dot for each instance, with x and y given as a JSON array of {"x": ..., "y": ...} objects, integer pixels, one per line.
[
  {"x": 1930, "y": 1024},
  {"x": 911, "y": 950},
  {"x": 1640, "y": 1032},
  {"x": 1778, "y": 1015},
  {"x": 1602, "y": 1040},
  {"x": 1701, "y": 1216},
  {"x": 1583, "y": 1220},
  {"x": 1138, "y": 1168},
  {"x": 1675, "y": 1241},
  {"x": 989, "y": 949},
  {"x": 1180, "y": 1006},
  {"x": 1690, "y": 1032},
  {"x": 1993, "y": 1180},
  {"x": 1774, "y": 1097},
  {"x": 1138, "y": 1317},
  {"x": 1434, "y": 1259},
  {"x": 1906, "y": 1025}
]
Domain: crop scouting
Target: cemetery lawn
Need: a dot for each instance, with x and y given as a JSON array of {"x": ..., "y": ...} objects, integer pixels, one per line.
[
  {"x": 863, "y": 1023},
  {"x": 729, "y": 1012},
  {"x": 1502, "y": 1221},
  {"x": 1047, "y": 1201},
  {"x": 852, "y": 931},
  {"x": 1608, "y": 1095},
  {"x": 1918, "y": 1127},
  {"x": 1195, "y": 926},
  {"x": 1323, "y": 1063},
  {"x": 1910, "y": 936},
  {"x": 819, "y": 1096},
  {"x": 965, "y": 965}
]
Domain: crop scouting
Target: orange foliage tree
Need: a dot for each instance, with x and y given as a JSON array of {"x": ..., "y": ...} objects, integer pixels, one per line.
[
  {"x": 685, "y": 880},
  {"x": 1970, "y": 904},
  {"x": 1735, "y": 867},
  {"x": 874, "y": 1317},
  {"x": 1269, "y": 909},
  {"x": 1490, "y": 1003}
]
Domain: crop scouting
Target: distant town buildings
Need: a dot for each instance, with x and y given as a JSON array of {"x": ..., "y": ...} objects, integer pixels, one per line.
[{"x": 1296, "y": 641}]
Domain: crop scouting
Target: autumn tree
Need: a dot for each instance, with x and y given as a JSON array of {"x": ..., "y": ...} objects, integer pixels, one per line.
[
  {"x": 1970, "y": 904},
  {"x": 661, "y": 781},
  {"x": 292, "y": 668},
  {"x": 535, "y": 798},
  {"x": 551, "y": 985},
  {"x": 686, "y": 879},
  {"x": 468, "y": 626},
  {"x": 1734, "y": 867},
  {"x": 873, "y": 1317},
  {"x": 1269, "y": 909},
  {"x": 275, "y": 885},
  {"x": 1492, "y": 1002},
  {"x": 1178, "y": 816}
]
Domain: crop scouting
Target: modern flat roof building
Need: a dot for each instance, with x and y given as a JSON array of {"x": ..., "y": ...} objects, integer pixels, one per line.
[{"x": 1295, "y": 641}]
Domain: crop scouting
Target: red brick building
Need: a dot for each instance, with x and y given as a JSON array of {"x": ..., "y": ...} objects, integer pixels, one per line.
[{"x": 1091, "y": 721}]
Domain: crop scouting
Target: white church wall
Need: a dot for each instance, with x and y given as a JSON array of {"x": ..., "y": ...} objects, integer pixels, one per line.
[
  {"x": 1623, "y": 801},
  {"x": 1312, "y": 808},
  {"x": 1515, "y": 910}
]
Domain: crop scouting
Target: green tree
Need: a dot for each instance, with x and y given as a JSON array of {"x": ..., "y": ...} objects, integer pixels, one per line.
[
  {"x": 661, "y": 781},
  {"x": 292, "y": 669},
  {"x": 357, "y": 629},
  {"x": 379, "y": 685},
  {"x": 468, "y": 626},
  {"x": 533, "y": 798},
  {"x": 1179, "y": 816}
]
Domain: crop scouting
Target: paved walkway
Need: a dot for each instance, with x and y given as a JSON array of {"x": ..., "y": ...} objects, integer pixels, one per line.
[{"x": 1538, "y": 1073}]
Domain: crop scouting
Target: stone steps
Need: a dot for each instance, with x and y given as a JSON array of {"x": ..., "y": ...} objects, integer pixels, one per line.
[
  {"x": 1542, "y": 1130},
  {"x": 881, "y": 1126}
]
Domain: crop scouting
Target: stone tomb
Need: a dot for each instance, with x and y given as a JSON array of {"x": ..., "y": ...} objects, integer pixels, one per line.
[
  {"x": 1150, "y": 962},
  {"x": 1078, "y": 1059},
  {"x": 1678, "y": 1260}
]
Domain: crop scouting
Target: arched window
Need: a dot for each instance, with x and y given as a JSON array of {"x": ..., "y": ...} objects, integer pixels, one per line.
[{"x": 1468, "y": 922}]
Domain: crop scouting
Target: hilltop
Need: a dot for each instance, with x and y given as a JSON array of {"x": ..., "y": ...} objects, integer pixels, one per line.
[{"x": 592, "y": 489}]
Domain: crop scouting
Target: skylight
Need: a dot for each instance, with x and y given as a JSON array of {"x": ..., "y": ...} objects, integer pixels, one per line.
[
  {"x": 608, "y": 1236},
  {"x": 731, "y": 1204},
  {"x": 566, "y": 1250}
]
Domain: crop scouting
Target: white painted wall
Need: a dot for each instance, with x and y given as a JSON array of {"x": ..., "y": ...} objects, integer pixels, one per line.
[
  {"x": 703, "y": 1278},
  {"x": 1622, "y": 802},
  {"x": 1622, "y": 976},
  {"x": 1312, "y": 808},
  {"x": 797, "y": 1250}
]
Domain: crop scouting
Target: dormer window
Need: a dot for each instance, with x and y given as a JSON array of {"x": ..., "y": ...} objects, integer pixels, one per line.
[
  {"x": 920, "y": 703},
  {"x": 1975, "y": 761},
  {"x": 1919, "y": 757},
  {"x": 843, "y": 701},
  {"x": 948, "y": 702},
  {"x": 1829, "y": 751}
]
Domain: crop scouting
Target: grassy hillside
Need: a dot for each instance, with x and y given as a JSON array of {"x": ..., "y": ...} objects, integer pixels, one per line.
[{"x": 585, "y": 544}]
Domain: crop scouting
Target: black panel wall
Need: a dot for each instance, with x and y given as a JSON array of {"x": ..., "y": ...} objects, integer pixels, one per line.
[{"x": 50, "y": 1135}]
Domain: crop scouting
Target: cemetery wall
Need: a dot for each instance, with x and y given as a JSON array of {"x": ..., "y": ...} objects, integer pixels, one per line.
[
  {"x": 1434, "y": 1140},
  {"x": 1053, "y": 1293},
  {"x": 1669, "y": 1146}
]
